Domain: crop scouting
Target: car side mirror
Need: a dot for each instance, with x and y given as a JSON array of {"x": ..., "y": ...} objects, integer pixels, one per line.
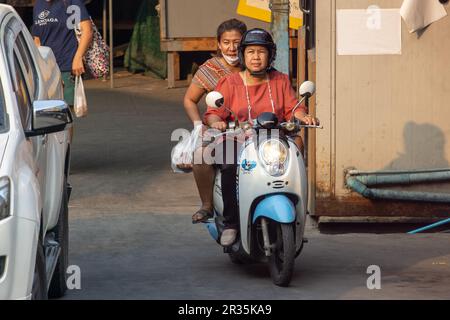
[
  {"x": 49, "y": 116},
  {"x": 307, "y": 89}
]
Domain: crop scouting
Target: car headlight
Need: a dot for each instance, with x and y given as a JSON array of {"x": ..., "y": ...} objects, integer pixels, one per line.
[
  {"x": 4, "y": 198},
  {"x": 274, "y": 155}
]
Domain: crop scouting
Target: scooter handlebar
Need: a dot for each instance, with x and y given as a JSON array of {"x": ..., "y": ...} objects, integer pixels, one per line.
[{"x": 296, "y": 126}]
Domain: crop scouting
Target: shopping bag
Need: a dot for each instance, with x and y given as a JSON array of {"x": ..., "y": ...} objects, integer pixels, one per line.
[
  {"x": 80, "y": 103},
  {"x": 96, "y": 58},
  {"x": 183, "y": 152}
]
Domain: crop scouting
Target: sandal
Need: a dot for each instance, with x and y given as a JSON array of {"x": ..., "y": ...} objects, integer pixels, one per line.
[{"x": 201, "y": 215}]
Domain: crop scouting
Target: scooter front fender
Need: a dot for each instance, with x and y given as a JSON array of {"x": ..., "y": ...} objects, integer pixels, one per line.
[{"x": 276, "y": 207}]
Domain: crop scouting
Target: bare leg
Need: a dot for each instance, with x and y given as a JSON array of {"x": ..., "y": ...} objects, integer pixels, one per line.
[{"x": 204, "y": 177}]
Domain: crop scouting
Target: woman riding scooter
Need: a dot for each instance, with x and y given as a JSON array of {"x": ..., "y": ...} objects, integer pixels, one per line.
[{"x": 256, "y": 89}]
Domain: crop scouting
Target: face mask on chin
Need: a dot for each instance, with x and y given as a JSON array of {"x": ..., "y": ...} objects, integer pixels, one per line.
[{"x": 232, "y": 61}]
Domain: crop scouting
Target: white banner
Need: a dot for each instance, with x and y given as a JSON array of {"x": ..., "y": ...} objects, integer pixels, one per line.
[{"x": 373, "y": 31}]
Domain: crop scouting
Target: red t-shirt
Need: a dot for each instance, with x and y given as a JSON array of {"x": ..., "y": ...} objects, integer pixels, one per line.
[{"x": 233, "y": 90}]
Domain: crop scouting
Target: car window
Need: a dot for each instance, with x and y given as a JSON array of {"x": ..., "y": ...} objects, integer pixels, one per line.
[
  {"x": 29, "y": 68},
  {"x": 22, "y": 95},
  {"x": 22, "y": 70}
]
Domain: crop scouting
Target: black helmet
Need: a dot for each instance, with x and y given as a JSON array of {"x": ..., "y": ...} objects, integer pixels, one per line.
[{"x": 260, "y": 37}]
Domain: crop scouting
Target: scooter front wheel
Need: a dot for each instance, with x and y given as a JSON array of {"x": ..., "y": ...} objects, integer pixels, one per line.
[{"x": 281, "y": 261}]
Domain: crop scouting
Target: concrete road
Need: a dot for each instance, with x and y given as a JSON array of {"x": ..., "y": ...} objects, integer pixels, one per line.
[{"x": 131, "y": 236}]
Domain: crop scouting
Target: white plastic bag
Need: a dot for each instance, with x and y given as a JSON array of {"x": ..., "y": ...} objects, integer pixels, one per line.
[
  {"x": 183, "y": 152},
  {"x": 80, "y": 103}
]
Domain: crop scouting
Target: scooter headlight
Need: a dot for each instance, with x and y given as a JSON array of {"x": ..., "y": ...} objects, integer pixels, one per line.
[{"x": 274, "y": 155}]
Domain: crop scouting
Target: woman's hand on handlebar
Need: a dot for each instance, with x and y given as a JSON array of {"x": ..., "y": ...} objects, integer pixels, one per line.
[
  {"x": 308, "y": 119},
  {"x": 220, "y": 125}
]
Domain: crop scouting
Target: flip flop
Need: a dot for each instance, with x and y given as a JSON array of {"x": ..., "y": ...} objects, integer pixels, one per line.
[{"x": 201, "y": 215}]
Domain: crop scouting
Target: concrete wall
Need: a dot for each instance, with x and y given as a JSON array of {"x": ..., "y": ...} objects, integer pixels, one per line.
[{"x": 386, "y": 112}]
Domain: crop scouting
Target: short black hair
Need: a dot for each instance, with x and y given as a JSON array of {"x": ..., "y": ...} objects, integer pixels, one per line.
[{"x": 229, "y": 25}]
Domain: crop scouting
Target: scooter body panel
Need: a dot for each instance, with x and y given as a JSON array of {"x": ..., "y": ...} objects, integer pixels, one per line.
[
  {"x": 254, "y": 184},
  {"x": 212, "y": 229},
  {"x": 217, "y": 195}
]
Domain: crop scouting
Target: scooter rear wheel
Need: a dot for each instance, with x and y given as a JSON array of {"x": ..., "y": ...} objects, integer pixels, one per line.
[{"x": 281, "y": 262}]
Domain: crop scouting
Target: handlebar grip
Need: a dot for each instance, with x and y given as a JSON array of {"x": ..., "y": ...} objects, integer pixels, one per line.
[
  {"x": 312, "y": 126},
  {"x": 291, "y": 126}
]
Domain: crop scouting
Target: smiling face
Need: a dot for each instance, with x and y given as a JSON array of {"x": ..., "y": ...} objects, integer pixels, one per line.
[
  {"x": 229, "y": 42},
  {"x": 256, "y": 58}
]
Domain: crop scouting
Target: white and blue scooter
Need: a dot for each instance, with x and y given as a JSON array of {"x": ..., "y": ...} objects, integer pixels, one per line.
[{"x": 271, "y": 186}]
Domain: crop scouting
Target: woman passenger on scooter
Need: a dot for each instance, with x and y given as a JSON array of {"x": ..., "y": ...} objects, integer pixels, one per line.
[
  {"x": 257, "y": 88},
  {"x": 229, "y": 34}
]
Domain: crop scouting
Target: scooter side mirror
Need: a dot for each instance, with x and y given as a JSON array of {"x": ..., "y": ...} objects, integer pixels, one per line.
[
  {"x": 214, "y": 99},
  {"x": 307, "y": 89}
]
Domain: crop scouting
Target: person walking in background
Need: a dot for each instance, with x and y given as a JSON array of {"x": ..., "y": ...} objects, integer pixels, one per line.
[{"x": 53, "y": 26}]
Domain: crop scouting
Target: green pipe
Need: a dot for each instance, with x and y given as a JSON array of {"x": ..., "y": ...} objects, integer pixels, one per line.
[
  {"x": 359, "y": 187},
  {"x": 280, "y": 30},
  {"x": 404, "y": 178},
  {"x": 437, "y": 224},
  {"x": 354, "y": 172}
]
